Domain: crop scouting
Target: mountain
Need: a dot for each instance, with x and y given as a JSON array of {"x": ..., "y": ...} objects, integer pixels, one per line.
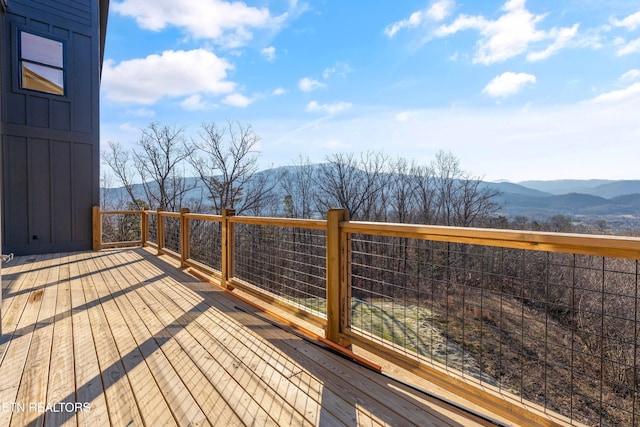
[
  {"x": 534, "y": 199},
  {"x": 566, "y": 186},
  {"x": 515, "y": 189},
  {"x": 617, "y": 188},
  {"x": 570, "y": 204}
]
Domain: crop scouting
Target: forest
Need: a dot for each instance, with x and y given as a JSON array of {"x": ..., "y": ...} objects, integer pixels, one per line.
[{"x": 559, "y": 329}]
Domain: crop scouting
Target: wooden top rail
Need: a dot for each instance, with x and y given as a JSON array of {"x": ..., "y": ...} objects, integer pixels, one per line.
[
  {"x": 314, "y": 224},
  {"x": 121, "y": 212},
  {"x": 206, "y": 217},
  {"x": 612, "y": 246},
  {"x": 150, "y": 212},
  {"x": 169, "y": 214}
]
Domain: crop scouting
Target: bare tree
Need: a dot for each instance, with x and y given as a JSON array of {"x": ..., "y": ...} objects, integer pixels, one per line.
[
  {"x": 403, "y": 191},
  {"x": 461, "y": 199},
  {"x": 119, "y": 160},
  {"x": 353, "y": 183},
  {"x": 228, "y": 168},
  {"x": 160, "y": 163},
  {"x": 299, "y": 187}
]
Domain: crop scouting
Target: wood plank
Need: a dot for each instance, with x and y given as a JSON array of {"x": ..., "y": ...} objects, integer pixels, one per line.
[
  {"x": 185, "y": 409},
  {"x": 313, "y": 388},
  {"x": 17, "y": 351},
  {"x": 34, "y": 382},
  {"x": 17, "y": 283},
  {"x": 151, "y": 403},
  {"x": 403, "y": 407},
  {"x": 123, "y": 408},
  {"x": 318, "y": 387},
  {"x": 203, "y": 390},
  {"x": 89, "y": 388},
  {"x": 61, "y": 388},
  {"x": 241, "y": 388},
  {"x": 274, "y": 369}
]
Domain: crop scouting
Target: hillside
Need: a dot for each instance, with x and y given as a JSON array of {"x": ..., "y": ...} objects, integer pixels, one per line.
[{"x": 534, "y": 199}]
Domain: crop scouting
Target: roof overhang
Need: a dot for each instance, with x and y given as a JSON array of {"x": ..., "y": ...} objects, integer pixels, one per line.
[{"x": 104, "y": 14}]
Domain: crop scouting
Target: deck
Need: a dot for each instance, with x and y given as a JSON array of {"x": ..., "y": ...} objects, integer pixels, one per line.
[{"x": 120, "y": 337}]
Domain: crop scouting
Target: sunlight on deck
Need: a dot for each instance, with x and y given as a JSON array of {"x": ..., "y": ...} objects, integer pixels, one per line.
[{"x": 119, "y": 337}]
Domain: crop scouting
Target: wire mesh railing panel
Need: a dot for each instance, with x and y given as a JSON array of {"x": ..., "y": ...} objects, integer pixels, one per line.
[
  {"x": 560, "y": 330},
  {"x": 287, "y": 262},
  {"x": 171, "y": 228},
  {"x": 152, "y": 228},
  {"x": 121, "y": 228},
  {"x": 206, "y": 242}
]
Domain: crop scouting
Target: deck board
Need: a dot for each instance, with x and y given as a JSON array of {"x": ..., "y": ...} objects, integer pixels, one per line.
[{"x": 144, "y": 343}]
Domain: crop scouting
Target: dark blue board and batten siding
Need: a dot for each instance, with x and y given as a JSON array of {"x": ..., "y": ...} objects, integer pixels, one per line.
[{"x": 50, "y": 143}]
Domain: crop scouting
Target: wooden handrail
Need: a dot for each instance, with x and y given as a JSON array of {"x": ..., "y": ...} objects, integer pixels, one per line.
[
  {"x": 339, "y": 231},
  {"x": 133, "y": 212},
  {"x": 314, "y": 224},
  {"x": 614, "y": 246},
  {"x": 204, "y": 217},
  {"x": 169, "y": 214}
]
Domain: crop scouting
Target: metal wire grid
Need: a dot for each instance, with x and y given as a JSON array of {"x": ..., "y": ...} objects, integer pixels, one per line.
[
  {"x": 152, "y": 227},
  {"x": 121, "y": 228},
  {"x": 289, "y": 263},
  {"x": 561, "y": 330},
  {"x": 206, "y": 242},
  {"x": 172, "y": 234}
]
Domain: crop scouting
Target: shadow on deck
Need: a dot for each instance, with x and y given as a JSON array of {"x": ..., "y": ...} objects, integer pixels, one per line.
[{"x": 121, "y": 337}]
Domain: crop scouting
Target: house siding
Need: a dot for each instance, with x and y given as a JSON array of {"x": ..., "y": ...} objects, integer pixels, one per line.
[{"x": 50, "y": 143}]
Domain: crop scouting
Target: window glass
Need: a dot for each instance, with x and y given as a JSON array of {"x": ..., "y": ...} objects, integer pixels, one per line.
[{"x": 42, "y": 64}]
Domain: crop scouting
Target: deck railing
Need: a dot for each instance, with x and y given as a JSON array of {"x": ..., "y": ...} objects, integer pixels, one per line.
[{"x": 540, "y": 327}]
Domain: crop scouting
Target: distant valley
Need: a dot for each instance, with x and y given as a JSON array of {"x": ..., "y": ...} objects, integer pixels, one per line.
[
  {"x": 617, "y": 202},
  {"x": 569, "y": 197}
]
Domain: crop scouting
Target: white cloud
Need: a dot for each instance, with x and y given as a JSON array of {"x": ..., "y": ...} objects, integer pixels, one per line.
[
  {"x": 493, "y": 141},
  {"x": 507, "y": 84},
  {"x": 335, "y": 144},
  {"x": 562, "y": 38},
  {"x": 620, "y": 95},
  {"x": 230, "y": 24},
  {"x": 128, "y": 127},
  {"x": 633, "y": 74},
  {"x": 194, "y": 103},
  {"x": 434, "y": 13},
  {"x": 631, "y": 22},
  {"x": 142, "y": 112},
  {"x": 331, "y": 109},
  {"x": 627, "y": 48},
  {"x": 308, "y": 84},
  {"x": 269, "y": 53},
  {"x": 509, "y": 35},
  {"x": 339, "y": 68},
  {"x": 237, "y": 100},
  {"x": 171, "y": 74},
  {"x": 404, "y": 116},
  {"x": 279, "y": 91}
]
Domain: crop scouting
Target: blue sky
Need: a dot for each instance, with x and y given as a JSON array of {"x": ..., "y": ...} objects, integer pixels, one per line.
[{"x": 515, "y": 89}]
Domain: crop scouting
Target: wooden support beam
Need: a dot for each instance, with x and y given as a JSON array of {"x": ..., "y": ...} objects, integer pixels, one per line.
[
  {"x": 228, "y": 247},
  {"x": 160, "y": 230},
  {"x": 185, "y": 237},
  {"x": 97, "y": 228},
  {"x": 338, "y": 294},
  {"x": 144, "y": 228}
]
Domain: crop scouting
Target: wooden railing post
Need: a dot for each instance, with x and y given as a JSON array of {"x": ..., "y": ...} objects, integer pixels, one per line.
[
  {"x": 144, "y": 228},
  {"x": 97, "y": 228},
  {"x": 228, "y": 247},
  {"x": 338, "y": 289},
  {"x": 160, "y": 229},
  {"x": 185, "y": 238}
]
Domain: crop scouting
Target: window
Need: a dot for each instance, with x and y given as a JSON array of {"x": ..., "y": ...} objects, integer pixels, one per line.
[{"x": 41, "y": 64}]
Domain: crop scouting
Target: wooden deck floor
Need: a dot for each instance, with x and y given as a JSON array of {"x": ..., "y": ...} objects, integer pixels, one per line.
[{"x": 119, "y": 337}]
